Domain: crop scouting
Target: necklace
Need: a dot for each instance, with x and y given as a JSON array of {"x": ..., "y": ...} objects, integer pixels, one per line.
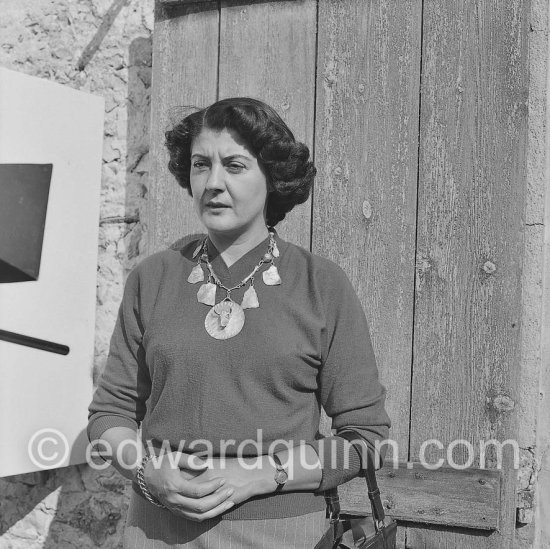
[{"x": 226, "y": 318}]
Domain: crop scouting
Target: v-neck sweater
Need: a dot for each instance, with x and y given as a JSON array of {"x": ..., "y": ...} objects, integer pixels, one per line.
[{"x": 307, "y": 345}]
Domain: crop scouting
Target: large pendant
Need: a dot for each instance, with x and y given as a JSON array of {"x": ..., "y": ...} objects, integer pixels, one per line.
[{"x": 225, "y": 319}]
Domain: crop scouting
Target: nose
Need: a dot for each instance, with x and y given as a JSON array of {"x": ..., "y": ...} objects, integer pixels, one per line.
[{"x": 216, "y": 178}]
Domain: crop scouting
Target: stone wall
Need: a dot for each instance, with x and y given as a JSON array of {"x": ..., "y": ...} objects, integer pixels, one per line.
[{"x": 103, "y": 47}]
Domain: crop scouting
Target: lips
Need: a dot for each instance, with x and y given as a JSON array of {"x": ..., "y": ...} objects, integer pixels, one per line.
[{"x": 216, "y": 205}]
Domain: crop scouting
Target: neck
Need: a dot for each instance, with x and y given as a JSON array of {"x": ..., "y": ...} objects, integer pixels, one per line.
[{"x": 233, "y": 247}]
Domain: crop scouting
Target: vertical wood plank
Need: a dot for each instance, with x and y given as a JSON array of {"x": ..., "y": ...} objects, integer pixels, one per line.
[
  {"x": 267, "y": 51},
  {"x": 470, "y": 237},
  {"x": 365, "y": 198},
  {"x": 185, "y": 59}
]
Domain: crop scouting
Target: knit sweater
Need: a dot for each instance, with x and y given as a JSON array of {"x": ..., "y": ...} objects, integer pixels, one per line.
[{"x": 307, "y": 345}]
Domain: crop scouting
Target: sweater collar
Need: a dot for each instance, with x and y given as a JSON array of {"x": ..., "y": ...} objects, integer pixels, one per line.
[{"x": 245, "y": 264}]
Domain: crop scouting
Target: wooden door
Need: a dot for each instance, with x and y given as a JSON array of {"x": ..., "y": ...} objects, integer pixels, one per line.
[{"x": 415, "y": 112}]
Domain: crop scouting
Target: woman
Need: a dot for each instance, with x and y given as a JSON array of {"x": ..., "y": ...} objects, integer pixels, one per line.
[{"x": 227, "y": 347}]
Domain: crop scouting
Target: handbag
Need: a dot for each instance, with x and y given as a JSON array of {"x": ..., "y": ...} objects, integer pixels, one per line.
[{"x": 359, "y": 532}]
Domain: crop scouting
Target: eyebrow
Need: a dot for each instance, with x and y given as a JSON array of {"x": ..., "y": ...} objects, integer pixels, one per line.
[{"x": 230, "y": 157}]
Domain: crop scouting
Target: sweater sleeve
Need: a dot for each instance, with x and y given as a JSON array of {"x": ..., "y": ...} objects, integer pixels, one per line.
[
  {"x": 124, "y": 385},
  {"x": 348, "y": 386}
]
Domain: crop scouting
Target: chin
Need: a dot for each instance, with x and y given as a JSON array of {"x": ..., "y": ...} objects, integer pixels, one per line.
[{"x": 221, "y": 225}]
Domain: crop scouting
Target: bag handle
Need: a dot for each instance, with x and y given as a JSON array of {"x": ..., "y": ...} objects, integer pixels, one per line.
[{"x": 368, "y": 470}]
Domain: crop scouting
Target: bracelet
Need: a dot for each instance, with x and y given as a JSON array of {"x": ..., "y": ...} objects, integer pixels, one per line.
[{"x": 141, "y": 482}]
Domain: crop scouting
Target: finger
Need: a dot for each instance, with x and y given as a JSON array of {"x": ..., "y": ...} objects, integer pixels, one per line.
[
  {"x": 201, "y": 517},
  {"x": 195, "y": 489},
  {"x": 192, "y": 461},
  {"x": 191, "y": 490},
  {"x": 201, "y": 505},
  {"x": 201, "y": 475}
]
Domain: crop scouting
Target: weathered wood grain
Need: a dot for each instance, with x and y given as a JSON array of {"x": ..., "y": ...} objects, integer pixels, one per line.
[
  {"x": 185, "y": 61},
  {"x": 471, "y": 200},
  {"x": 467, "y": 498},
  {"x": 171, "y": 3},
  {"x": 459, "y": 292},
  {"x": 366, "y": 150},
  {"x": 267, "y": 51}
]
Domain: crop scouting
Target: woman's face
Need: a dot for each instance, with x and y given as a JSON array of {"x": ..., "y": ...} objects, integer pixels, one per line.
[{"x": 228, "y": 184}]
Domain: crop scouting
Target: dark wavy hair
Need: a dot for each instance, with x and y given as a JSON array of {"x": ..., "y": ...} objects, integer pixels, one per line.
[{"x": 285, "y": 161}]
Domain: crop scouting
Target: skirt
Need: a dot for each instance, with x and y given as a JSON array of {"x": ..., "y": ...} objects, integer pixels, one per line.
[{"x": 150, "y": 527}]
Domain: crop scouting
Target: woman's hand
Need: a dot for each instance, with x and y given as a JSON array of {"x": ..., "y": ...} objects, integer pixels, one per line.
[
  {"x": 183, "y": 483},
  {"x": 255, "y": 476},
  {"x": 248, "y": 477}
]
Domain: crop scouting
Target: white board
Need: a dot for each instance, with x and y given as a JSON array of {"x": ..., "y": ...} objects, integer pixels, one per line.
[{"x": 42, "y": 392}]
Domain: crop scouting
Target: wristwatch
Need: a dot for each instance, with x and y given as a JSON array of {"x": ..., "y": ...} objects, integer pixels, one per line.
[{"x": 281, "y": 474}]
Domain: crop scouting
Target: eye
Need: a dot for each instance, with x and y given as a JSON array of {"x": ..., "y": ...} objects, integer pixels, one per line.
[
  {"x": 199, "y": 164},
  {"x": 235, "y": 167}
]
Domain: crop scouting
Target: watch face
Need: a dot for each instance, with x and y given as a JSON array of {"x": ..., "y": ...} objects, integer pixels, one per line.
[{"x": 281, "y": 477}]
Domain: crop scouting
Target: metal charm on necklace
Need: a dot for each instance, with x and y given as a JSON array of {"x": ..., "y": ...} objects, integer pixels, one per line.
[
  {"x": 225, "y": 319},
  {"x": 271, "y": 276},
  {"x": 196, "y": 274},
  {"x": 198, "y": 249},
  {"x": 250, "y": 297},
  {"x": 207, "y": 293}
]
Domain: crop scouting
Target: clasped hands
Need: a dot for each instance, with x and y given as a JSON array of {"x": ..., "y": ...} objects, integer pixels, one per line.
[{"x": 200, "y": 489}]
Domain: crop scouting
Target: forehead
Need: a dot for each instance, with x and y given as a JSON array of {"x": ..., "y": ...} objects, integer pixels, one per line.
[{"x": 223, "y": 141}]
